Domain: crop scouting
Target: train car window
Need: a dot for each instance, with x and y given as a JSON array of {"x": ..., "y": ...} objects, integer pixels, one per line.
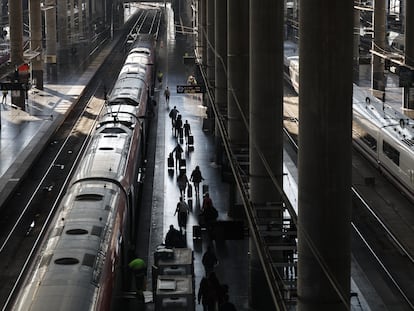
[
  {"x": 370, "y": 141},
  {"x": 113, "y": 130},
  {"x": 89, "y": 197},
  {"x": 66, "y": 261},
  {"x": 392, "y": 153}
]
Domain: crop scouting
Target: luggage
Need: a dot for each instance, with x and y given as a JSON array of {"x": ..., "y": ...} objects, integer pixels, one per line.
[
  {"x": 189, "y": 191},
  {"x": 182, "y": 165},
  {"x": 190, "y": 140},
  {"x": 170, "y": 161},
  {"x": 190, "y": 204},
  {"x": 205, "y": 188},
  {"x": 197, "y": 232}
]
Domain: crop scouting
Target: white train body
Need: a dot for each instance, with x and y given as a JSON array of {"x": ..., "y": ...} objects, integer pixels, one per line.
[
  {"x": 383, "y": 134},
  {"x": 85, "y": 253}
]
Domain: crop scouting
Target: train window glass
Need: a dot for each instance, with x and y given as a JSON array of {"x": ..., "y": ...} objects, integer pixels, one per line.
[
  {"x": 115, "y": 130},
  {"x": 66, "y": 261},
  {"x": 370, "y": 141},
  {"x": 89, "y": 197},
  {"x": 88, "y": 260},
  {"x": 392, "y": 153},
  {"x": 76, "y": 231}
]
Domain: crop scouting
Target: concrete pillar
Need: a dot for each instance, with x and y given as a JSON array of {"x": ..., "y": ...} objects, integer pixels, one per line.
[
  {"x": 357, "y": 15},
  {"x": 73, "y": 32},
  {"x": 266, "y": 116},
  {"x": 62, "y": 13},
  {"x": 324, "y": 165},
  {"x": 88, "y": 19},
  {"x": 211, "y": 43},
  {"x": 203, "y": 31},
  {"x": 16, "y": 47},
  {"x": 378, "y": 44},
  {"x": 51, "y": 44},
  {"x": 220, "y": 65},
  {"x": 238, "y": 71},
  {"x": 35, "y": 21},
  {"x": 80, "y": 17},
  {"x": 16, "y": 32},
  {"x": 409, "y": 51}
]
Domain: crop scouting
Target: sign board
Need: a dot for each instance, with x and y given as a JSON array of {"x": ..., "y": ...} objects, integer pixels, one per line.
[
  {"x": 181, "y": 89},
  {"x": 14, "y": 86}
]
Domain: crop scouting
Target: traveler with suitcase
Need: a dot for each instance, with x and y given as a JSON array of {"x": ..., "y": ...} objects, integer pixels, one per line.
[
  {"x": 182, "y": 182},
  {"x": 187, "y": 131},
  {"x": 178, "y": 150},
  {"x": 196, "y": 178},
  {"x": 182, "y": 212}
]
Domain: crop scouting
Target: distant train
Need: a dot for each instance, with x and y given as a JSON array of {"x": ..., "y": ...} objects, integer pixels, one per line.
[
  {"x": 383, "y": 134},
  {"x": 84, "y": 258}
]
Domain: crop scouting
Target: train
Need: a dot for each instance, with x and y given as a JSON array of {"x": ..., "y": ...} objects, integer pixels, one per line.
[
  {"x": 384, "y": 135},
  {"x": 83, "y": 260}
]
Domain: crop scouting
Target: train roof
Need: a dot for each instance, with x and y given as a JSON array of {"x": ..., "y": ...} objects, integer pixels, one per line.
[
  {"x": 107, "y": 155},
  {"x": 396, "y": 124},
  {"x": 67, "y": 276}
]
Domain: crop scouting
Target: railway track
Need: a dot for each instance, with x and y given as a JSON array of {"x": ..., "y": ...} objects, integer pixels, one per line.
[
  {"x": 374, "y": 241},
  {"x": 33, "y": 205}
]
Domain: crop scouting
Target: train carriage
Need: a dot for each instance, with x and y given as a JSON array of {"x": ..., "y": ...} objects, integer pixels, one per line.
[{"x": 83, "y": 259}]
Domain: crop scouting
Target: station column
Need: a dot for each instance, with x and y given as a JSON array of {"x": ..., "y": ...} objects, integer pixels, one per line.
[
  {"x": 211, "y": 43},
  {"x": 378, "y": 45},
  {"x": 36, "y": 42},
  {"x": 220, "y": 66},
  {"x": 409, "y": 51},
  {"x": 238, "y": 71},
  {"x": 51, "y": 44},
  {"x": 324, "y": 159},
  {"x": 16, "y": 47},
  {"x": 266, "y": 121}
]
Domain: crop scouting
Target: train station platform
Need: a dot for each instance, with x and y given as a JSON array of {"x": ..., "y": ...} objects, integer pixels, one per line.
[
  {"x": 163, "y": 194},
  {"x": 25, "y": 132}
]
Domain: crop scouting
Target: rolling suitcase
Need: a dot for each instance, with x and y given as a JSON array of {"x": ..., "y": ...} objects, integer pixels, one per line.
[
  {"x": 182, "y": 166},
  {"x": 180, "y": 135},
  {"x": 189, "y": 191},
  {"x": 190, "y": 140},
  {"x": 197, "y": 233},
  {"x": 170, "y": 162},
  {"x": 205, "y": 188}
]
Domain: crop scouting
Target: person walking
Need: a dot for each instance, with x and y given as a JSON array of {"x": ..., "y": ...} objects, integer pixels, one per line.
[
  {"x": 207, "y": 295},
  {"x": 173, "y": 238},
  {"x": 167, "y": 95},
  {"x": 160, "y": 75},
  {"x": 187, "y": 130},
  {"x": 4, "y": 98},
  {"x": 178, "y": 150},
  {"x": 196, "y": 178},
  {"x": 227, "y": 305},
  {"x": 173, "y": 115},
  {"x": 139, "y": 269},
  {"x": 209, "y": 212},
  {"x": 209, "y": 260},
  {"x": 182, "y": 181},
  {"x": 178, "y": 127},
  {"x": 182, "y": 212}
]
